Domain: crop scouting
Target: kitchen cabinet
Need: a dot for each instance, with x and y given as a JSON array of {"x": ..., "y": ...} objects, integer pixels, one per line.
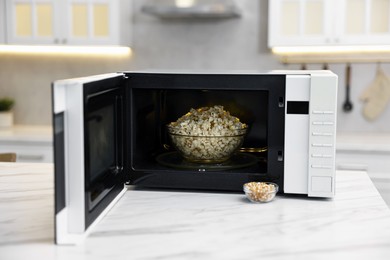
[
  {"x": 365, "y": 22},
  {"x": 72, "y": 22},
  {"x": 32, "y": 22},
  {"x": 91, "y": 22},
  {"x": 328, "y": 22},
  {"x": 299, "y": 22}
]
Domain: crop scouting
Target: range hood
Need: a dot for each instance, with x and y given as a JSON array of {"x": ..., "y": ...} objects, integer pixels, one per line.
[{"x": 184, "y": 9}]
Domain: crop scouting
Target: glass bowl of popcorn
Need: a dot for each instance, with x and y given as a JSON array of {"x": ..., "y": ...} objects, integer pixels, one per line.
[
  {"x": 207, "y": 149},
  {"x": 207, "y": 135},
  {"x": 259, "y": 192}
]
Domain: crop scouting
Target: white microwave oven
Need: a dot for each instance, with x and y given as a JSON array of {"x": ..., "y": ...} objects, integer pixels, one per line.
[{"x": 111, "y": 131}]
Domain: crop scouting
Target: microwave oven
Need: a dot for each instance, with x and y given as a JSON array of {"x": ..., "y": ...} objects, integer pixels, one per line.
[{"x": 110, "y": 131}]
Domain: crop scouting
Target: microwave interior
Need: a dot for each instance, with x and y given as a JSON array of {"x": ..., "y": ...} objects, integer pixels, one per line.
[{"x": 152, "y": 160}]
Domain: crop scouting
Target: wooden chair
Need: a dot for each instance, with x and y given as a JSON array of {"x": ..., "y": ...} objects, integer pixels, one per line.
[{"x": 7, "y": 157}]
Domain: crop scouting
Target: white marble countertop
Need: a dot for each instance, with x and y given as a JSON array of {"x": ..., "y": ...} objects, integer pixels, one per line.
[
  {"x": 190, "y": 225},
  {"x": 27, "y": 133}
]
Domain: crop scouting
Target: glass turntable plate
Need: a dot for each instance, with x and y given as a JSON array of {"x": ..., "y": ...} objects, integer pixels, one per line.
[{"x": 238, "y": 160}]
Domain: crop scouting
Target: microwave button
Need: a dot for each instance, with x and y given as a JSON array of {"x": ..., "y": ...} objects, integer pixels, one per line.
[
  {"x": 322, "y": 123},
  {"x": 317, "y": 155},
  {"x": 328, "y": 123},
  {"x": 319, "y": 166},
  {"x": 321, "y": 184},
  {"x": 321, "y": 134},
  {"x": 321, "y": 145},
  {"x": 318, "y": 112},
  {"x": 328, "y": 112}
]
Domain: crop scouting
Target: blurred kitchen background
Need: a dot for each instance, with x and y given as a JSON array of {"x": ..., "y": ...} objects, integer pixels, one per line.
[{"x": 200, "y": 35}]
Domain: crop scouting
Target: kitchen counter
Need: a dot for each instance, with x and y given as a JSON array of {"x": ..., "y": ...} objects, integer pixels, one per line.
[{"x": 195, "y": 225}]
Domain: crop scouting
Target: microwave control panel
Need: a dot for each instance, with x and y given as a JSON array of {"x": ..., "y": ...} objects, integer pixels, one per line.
[
  {"x": 322, "y": 135},
  {"x": 310, "y": 129}
]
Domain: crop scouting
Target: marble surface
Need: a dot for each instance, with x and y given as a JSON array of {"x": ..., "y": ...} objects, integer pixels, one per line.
[{"x": 194, "y": 225}]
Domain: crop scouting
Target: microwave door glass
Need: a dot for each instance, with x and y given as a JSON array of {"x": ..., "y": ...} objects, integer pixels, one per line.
[
  {"x": 101, "y": 141},
  {"x": 103, "y": 124},
  {"x": 101, "y": 149}
]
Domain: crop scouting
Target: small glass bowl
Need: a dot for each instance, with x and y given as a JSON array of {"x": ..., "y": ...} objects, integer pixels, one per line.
[{"x": 260, "y": 192}]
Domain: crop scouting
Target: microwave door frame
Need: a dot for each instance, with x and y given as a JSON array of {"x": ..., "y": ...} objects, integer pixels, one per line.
[{"x": 71, "y": 207}]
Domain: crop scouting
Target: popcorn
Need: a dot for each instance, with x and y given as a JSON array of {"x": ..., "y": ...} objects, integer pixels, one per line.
[
  {"x": 207, "y": 134},
  {"x": 208, "y": 121},
  {"x": 260, "y": 191}
]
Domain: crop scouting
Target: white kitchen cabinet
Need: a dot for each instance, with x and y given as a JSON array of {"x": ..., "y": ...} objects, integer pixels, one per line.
[
  {"x": 32, "y": 21},
  {"x": 299, "y": 22},
  {"x": 73, "y": 22},
  {"x": 91, "y": 22},
  {"x": 365, "y": 22},
  {"x": 328, "y": 22}
]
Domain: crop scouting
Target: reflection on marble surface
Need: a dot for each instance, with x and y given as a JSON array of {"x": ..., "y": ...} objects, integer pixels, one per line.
[{"x": 196, "y": 225}]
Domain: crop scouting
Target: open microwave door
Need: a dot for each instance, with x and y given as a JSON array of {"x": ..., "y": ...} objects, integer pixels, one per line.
[{"x": 88, "y": 121}]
